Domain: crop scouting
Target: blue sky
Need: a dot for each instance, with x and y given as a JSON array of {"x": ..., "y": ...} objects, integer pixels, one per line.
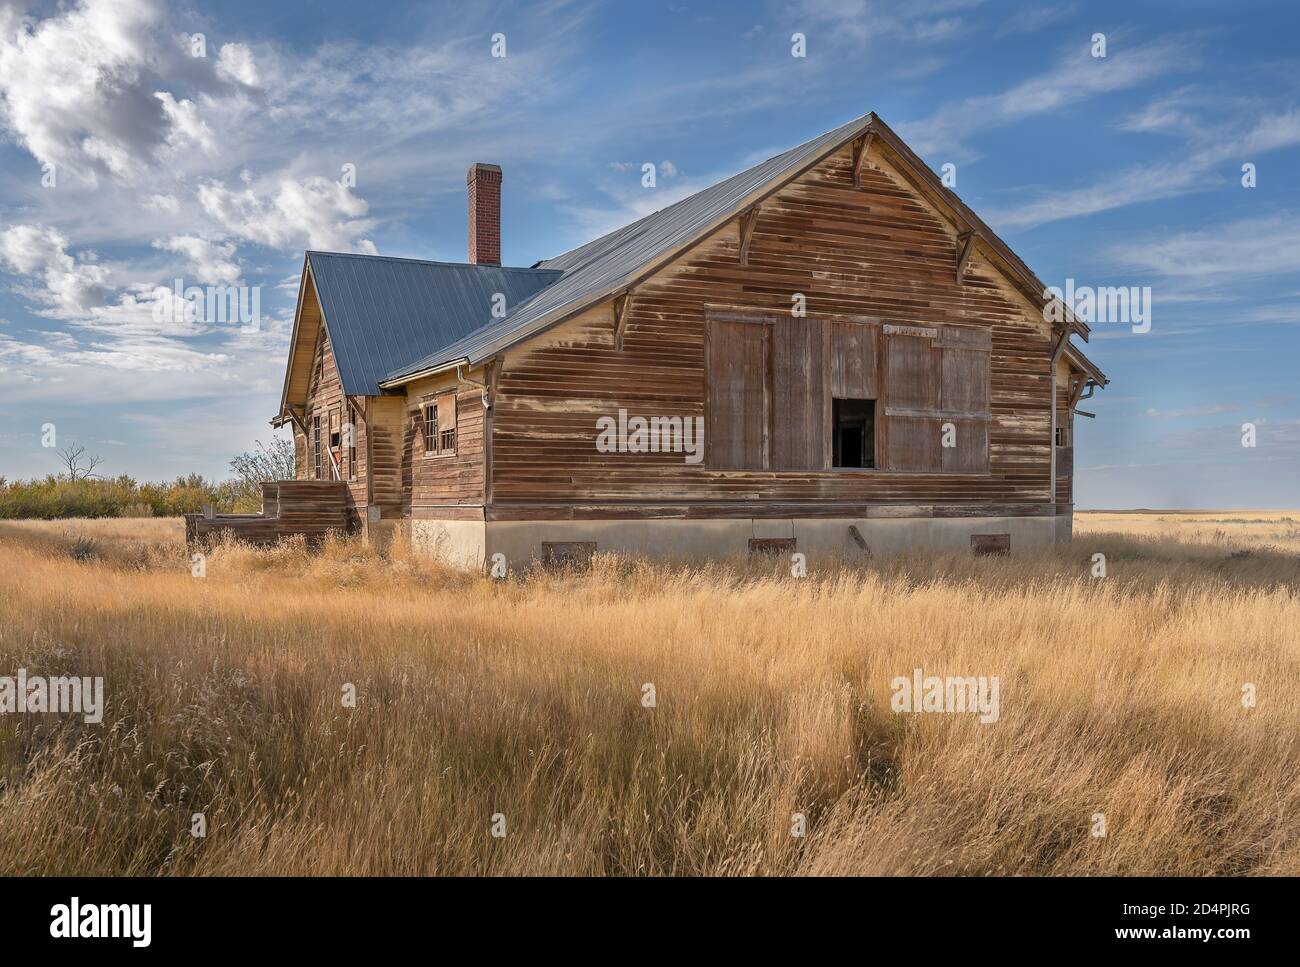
[{"x": 1123, "y": 170}]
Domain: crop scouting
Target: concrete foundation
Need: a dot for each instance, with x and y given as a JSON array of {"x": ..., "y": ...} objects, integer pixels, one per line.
[
  {"x": 461, "y": 543},
  {"x": 473, "y": 544}
]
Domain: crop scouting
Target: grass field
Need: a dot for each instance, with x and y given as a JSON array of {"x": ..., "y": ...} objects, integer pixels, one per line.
[{"x": 518, "y": 705}]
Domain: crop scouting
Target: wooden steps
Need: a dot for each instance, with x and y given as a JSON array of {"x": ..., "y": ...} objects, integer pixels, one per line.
[{"x": 312, "y": 508}]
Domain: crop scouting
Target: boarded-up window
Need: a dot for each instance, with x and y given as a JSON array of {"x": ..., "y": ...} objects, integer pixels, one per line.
[
  {"x": 912, "y": 373},
  {"x": 854, "y": 363},
  {"x": 964, "y": 398},
  {"x": 439, "y": 425},
  {"x": 937, "y": 393},
  {"x": 799, "y": 395},
  {"x": 447, "y": 423},
  {"x": 737, "y": 367},
  {"x": 774, "y": 379},
  {"x": 1064, "y": 445}
]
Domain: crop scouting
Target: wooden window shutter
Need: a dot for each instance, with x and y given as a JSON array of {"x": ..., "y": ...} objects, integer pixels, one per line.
[
  {"x": 737, "y": 360},
  {"x": 446, "y": 441},
  {"x": 912, "y": 375},
  {"x": 854, "y": 361},
  {"x": 799, "y": 416},
  {"x": 447, "y": 412},
  {"x": 964, "y": 398}
]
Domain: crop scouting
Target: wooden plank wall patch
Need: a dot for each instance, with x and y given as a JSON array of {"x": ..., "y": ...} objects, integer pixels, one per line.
[{"x": 987, "y": 544}]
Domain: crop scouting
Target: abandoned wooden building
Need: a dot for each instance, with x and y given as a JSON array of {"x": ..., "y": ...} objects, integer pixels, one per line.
[{"x": 828, "y": 352}]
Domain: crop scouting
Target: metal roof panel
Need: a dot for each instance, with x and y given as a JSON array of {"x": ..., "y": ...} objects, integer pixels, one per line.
[{"x": 381, "y": 313}]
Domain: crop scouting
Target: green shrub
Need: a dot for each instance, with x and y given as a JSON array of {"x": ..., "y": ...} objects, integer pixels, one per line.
[{"x": 55, "y": 497}]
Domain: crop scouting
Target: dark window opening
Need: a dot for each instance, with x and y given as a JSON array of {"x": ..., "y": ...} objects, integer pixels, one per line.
[
  {"x": 1062, "y": 436},
  {"x": 853, "y": 425}
]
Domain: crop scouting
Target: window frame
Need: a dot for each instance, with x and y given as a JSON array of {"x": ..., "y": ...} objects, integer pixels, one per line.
[
  {"x": 444, "y": 439},
  {"x": 316, "y": 447},
  {"x": 352, "y": 442},
  {"x": 835, "y": 434}
]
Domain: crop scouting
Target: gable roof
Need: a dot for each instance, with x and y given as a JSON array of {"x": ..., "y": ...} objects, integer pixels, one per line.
[
  {"x": 382, "y": 312},
  {"x": 613, "y": 263},
  {"x": 591, "y": 271}
]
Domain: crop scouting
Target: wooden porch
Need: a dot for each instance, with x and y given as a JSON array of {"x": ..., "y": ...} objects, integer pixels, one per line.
[{"x": 311, "y": 508}]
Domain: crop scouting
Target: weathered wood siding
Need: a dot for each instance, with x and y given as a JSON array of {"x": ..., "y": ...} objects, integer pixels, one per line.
[
  {"x": 325, "y": 399},
  {"x": 879, "y": 252},
  {"x": 433, "y": 482},
  {"x": 385, "y": 425}
]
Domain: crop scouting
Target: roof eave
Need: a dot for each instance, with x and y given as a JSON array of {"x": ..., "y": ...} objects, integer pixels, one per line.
[
  {"x": 293, "y": 341},
  {"x": 1075, "y": 355},
  {"x": 402, "y": 380}
]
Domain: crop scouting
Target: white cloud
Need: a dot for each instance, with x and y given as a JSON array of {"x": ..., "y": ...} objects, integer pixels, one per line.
[
  {"x": 1078, "y": 77},
  {"x": 1212, "y": 145},
  {"x": 187, "y": 127},
  {"x": 1030, "y": 19},
  {"x": 315, "y": 212},
  {"x": 235, "y": 62},
  {"x": 1243, "y": 249},
  {"x": 858, "y": 20},
  {"x": 65, "y": 286},
  {"x": 1212, "y": 410},
  {"x": 77, "y": 88},
  {"x": 211, "y": 262}
]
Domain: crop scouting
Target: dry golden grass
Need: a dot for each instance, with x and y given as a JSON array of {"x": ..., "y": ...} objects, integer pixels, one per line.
[{"x": 1119, "y": 696}]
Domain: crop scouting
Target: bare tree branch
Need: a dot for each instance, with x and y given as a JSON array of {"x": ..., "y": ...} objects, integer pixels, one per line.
[{"x": 80, "y": 464}]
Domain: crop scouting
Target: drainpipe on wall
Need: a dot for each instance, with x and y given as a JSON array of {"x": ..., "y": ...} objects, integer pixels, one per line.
[{"x": 462, "y": 378}]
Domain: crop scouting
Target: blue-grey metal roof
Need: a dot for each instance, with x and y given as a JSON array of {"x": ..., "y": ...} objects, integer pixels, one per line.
[
  {"x": 592, "y": 271},
  {"x": 381, "y": 312}
]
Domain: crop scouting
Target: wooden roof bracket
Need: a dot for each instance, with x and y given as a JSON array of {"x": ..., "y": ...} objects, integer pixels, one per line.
[
  {"x": 748, "y": 218},
  {"x": 287, "y": 415},
  {"x": 860, "y": 149},
  {"x": 965, "y": 249},
  {"x": 622, "y": 306}
]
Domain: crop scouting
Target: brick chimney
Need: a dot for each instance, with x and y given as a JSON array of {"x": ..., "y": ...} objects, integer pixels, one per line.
[{"x": 484, "y": 185}]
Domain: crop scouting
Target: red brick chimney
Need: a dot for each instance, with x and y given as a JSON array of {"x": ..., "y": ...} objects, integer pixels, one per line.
[{"x": 484, "y": 184}]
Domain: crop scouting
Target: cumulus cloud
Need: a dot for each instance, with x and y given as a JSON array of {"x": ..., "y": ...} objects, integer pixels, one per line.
[
  {"x": 77, "y": 89},
  {"x": 63, "y": 286},
  {"x": 314, "y": 211},
  {"x": 235, "y": 63},
  {"x": 210, "y": 261},
  {"x": 187, "y": 127}
]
